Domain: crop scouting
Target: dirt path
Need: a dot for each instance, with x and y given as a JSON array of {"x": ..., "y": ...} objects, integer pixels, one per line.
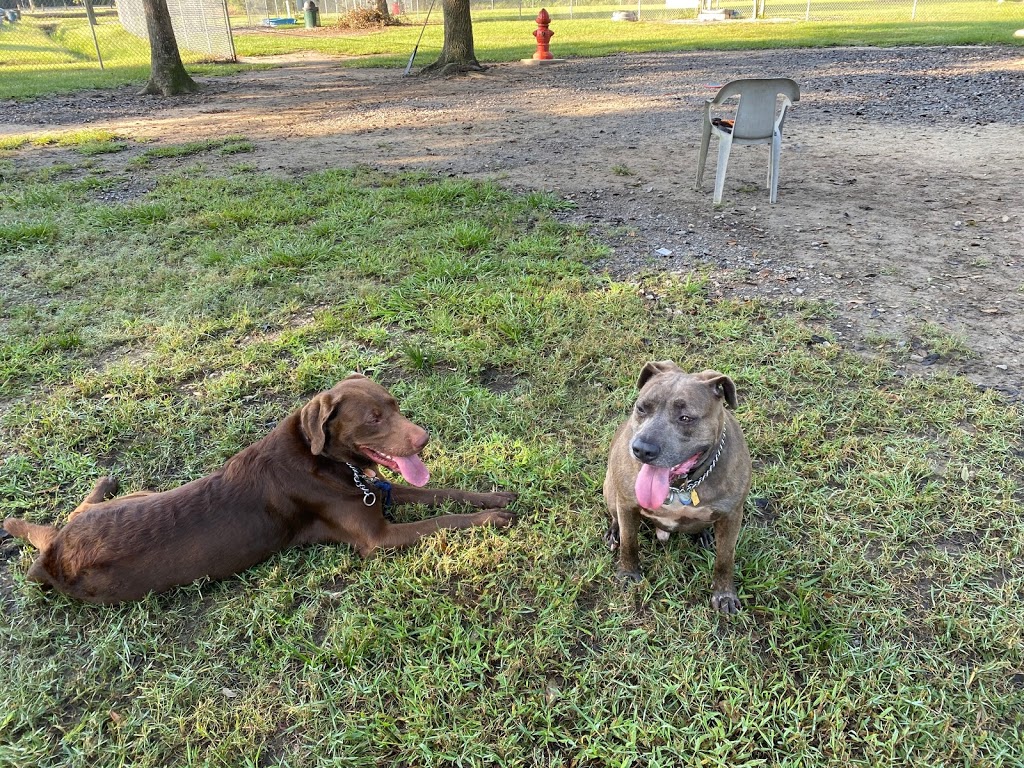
[{"x": 900, "y": 200}]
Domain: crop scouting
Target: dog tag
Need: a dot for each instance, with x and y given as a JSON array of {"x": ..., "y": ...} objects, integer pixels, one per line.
[
  {"x": 675, "y": 496},
  {"x": 694, "y": 498}
]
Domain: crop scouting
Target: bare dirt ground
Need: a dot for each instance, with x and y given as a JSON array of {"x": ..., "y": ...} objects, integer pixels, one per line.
[{"x": 900, "y": 201}]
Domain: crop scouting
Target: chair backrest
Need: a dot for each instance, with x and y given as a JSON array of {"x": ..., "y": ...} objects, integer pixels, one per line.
[{"x": 756, "y": 111}]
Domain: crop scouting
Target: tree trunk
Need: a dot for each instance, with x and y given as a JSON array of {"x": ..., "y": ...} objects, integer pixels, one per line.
[
  {"x": 382, "y": 9},
  {"x": 167, "y": 75},
  {"x": 457, "y": 51}
]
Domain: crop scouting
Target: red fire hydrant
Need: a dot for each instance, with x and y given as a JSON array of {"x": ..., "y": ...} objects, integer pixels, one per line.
[{"x": 543, "y": 35}]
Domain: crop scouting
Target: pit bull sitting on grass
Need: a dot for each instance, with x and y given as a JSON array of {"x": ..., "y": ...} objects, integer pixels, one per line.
[{"x": 680, "y": 462}]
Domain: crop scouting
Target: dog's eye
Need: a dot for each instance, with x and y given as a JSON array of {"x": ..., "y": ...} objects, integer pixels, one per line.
[
  {"x": 641, "y": 410},
  {"x": 683, "y": 417}
]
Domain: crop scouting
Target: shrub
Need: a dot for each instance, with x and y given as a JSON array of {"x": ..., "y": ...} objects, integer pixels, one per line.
[{"x": 367, "y": 18}]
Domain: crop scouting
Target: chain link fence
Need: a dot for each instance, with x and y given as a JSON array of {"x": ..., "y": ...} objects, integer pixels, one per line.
[
  {"x": 726, "y": 10},
  {"x": 280, "y": 13},
  {"x": 40, "y": 35},
  {"x": 283, "y": 13}
]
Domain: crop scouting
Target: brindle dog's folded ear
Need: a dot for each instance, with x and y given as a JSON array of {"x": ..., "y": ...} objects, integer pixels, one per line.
[
  {"x": 314, "y": 417},
  {"x": 653, "y": 368},
  {"x": 721, "y": 385}
]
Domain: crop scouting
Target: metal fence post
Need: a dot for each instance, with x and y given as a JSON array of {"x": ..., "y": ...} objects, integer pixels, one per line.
[{"x": 92, "y": 28}]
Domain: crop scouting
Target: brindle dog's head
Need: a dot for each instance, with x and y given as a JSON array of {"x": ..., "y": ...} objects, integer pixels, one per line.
[
  {"x": 359, "y": 422},
  {"x": 678, "y": 417}
]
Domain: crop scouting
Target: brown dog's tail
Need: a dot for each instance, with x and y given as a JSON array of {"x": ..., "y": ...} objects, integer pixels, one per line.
[{"x": 39, "y": 536}]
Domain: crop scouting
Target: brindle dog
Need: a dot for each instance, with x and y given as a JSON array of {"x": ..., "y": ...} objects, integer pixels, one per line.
[{"x": 681, "y": 463}]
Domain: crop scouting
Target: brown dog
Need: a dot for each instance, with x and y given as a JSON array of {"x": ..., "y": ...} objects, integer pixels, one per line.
[
  {"x": 308, "y": 481},
  {"x": 681, "y": 463}
]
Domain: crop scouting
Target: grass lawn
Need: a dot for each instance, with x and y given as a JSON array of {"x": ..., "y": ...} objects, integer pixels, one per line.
[
  {"x": 153, "y": 335},
  {"x": 511, "y": 40}
]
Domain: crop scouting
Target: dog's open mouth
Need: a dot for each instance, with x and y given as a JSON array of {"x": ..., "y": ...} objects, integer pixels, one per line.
[
  {"x": 411, "y": 468},
  {"x": 653, "y": 483}
]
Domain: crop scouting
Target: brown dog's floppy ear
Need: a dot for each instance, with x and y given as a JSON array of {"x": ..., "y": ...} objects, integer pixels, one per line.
[
  {"x": 721, "y": 385},
  {"x": 313, "y": 418},
  {"x": 653, "y": 368}
]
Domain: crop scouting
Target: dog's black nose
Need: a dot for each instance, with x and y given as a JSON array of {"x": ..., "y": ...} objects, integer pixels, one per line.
[{"x": 644, "y": 451}]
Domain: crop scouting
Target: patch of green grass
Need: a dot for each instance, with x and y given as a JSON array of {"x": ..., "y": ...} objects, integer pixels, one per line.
[
  {"x": 87, "y": 142},
  {"x": 21, "y": 234},
  {"x": 229, "y": 145},
  {"x": 79, "y": 138},
  {"x": 13, "y": 142},
  {"x": 943, "y": 342},
  {"x": 881, "y": 576}
]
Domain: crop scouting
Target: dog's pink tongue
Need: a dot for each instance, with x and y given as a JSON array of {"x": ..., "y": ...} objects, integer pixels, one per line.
[
  {"x": 413, "y": 470},
  {"x": 652, "y": 486}
]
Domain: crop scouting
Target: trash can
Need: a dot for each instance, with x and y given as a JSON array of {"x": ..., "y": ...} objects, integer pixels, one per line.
[{"x": 312, "y": 14}]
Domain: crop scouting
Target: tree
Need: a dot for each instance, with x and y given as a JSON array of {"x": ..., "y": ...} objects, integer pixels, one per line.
[
  {"x": 457, "y": 50},
  {"x": 382, "y": 9},
  {"x": 167, "y": 74}
]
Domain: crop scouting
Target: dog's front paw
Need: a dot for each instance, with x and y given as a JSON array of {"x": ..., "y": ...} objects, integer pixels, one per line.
[
  {"x": 499, "y": 518},
  {"x": 705, "y": 539},
  {"x": 107, "y": 487},
  {"x": 611, "y": 536},
  {"x": 501, "y": 499},
  {"x": 726, "y": 602},
  {"x": 496, "y": 500}
]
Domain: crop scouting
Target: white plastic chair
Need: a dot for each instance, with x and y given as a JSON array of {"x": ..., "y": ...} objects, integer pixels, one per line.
[{"x": 758, "y": 120}]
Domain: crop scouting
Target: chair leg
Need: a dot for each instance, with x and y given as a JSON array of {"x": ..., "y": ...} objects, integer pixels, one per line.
[
  {"x": 724, "y": 145},
  {"x": 705, "y": 141},
  {"x": 773, "y": 169}
]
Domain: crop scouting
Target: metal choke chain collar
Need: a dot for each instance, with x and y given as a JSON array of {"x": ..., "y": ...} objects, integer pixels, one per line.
[{"x": 714, "y": 460}]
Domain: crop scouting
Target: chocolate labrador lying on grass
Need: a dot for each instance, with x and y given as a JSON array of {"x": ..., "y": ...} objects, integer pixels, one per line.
[
  {"x": 681, "y": 463},
  {"x": 310, "y": 480}
]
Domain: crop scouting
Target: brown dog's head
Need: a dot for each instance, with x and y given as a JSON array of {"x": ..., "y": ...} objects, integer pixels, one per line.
[
  {"x": 677, "y": 424},
  {"x": 358, "y": 421}
]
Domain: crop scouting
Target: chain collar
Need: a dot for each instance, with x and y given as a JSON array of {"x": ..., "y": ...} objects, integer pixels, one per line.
[
  {"x": 711, "y": 468},
  {"x": 360, "y": 479}
]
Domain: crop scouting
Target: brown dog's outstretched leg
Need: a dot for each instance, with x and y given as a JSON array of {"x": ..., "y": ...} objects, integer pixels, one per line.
[
  {"x": 398, "y": 535},
  {"x": 406, "y": 494}
]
